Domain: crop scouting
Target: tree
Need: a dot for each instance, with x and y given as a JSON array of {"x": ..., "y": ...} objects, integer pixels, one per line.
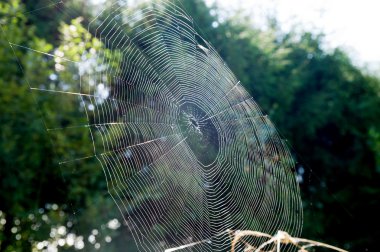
[{"x": 44, "y": 196}]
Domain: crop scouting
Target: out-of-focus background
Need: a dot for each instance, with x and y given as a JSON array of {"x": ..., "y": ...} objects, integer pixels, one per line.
[{"x": 312, "y": 66}]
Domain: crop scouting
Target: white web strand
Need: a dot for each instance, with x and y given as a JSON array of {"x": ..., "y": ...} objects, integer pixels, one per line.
[{"x": 186, "y": 151}]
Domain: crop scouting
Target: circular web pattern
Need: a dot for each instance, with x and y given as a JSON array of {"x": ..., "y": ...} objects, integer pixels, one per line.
[{"x": 186, "y": 151}]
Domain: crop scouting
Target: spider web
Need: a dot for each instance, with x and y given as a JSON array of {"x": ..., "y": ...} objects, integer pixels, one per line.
[{"x": 186, "y": 152}]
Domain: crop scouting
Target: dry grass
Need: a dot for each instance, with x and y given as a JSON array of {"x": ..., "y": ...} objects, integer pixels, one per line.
[{"x": 272, "y": 243}]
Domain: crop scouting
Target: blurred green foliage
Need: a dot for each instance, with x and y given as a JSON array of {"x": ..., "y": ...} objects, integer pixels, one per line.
[{"x": 326, "y": 107}]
